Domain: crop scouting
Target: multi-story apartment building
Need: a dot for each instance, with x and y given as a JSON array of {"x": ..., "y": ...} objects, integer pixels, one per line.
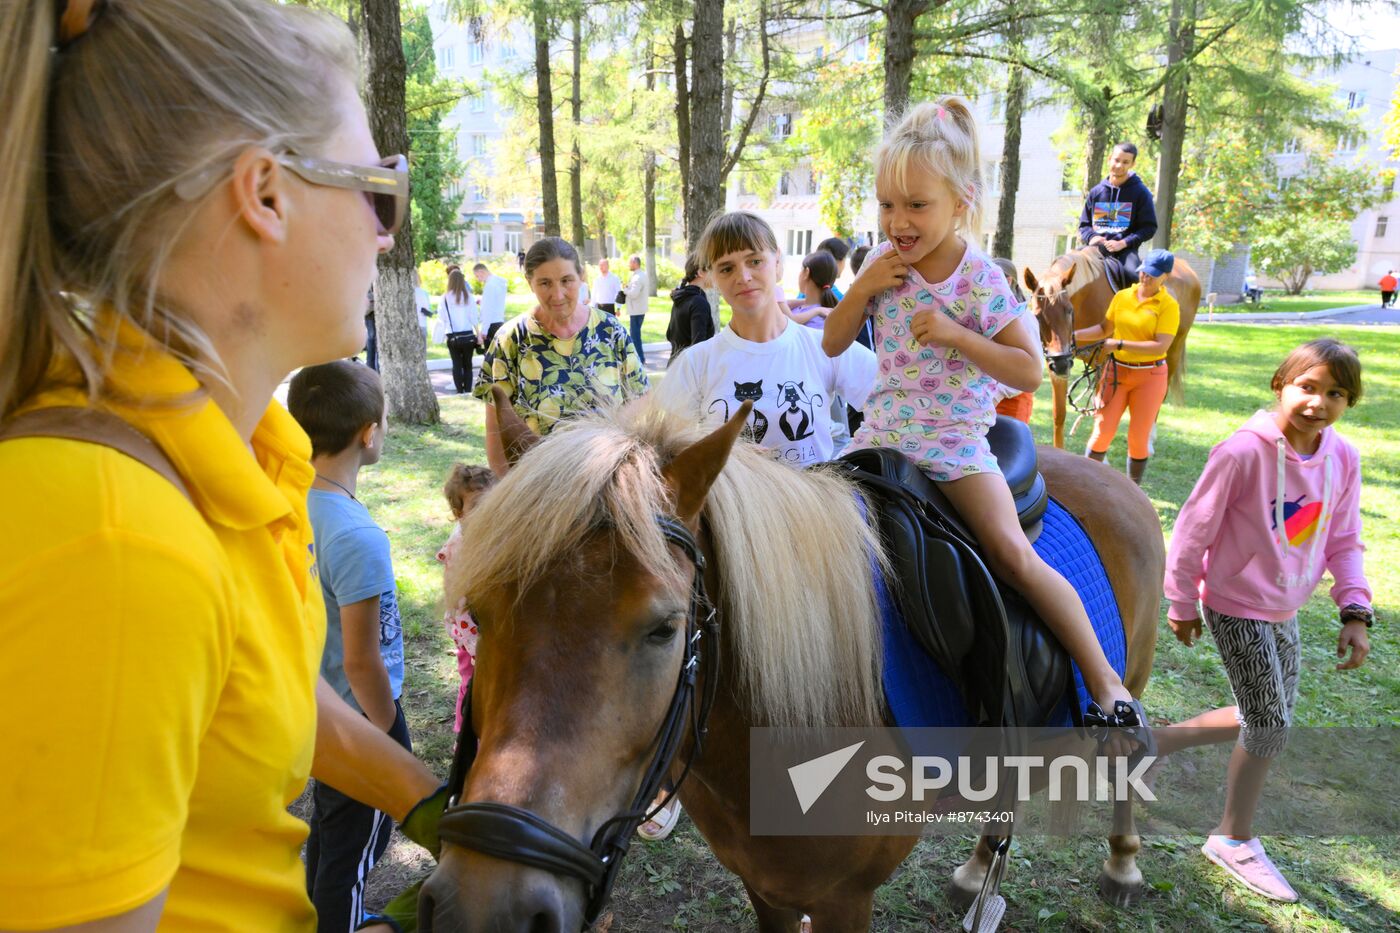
[{"x": 1365, "y": 85}]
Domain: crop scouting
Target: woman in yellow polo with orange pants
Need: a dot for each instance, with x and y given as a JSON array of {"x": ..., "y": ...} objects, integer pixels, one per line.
[{"x": 1137, "y": 329}]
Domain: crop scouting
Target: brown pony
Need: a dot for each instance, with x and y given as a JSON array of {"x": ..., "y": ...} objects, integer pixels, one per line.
[
  {"x": 582, "y": 603},
  {"x": 1073, "y": 294}
]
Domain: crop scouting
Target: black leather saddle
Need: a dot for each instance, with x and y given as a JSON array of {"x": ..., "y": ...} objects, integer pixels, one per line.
[
  {"x": 985, "y": 637},
  {"x": 1114, "y": 270}
]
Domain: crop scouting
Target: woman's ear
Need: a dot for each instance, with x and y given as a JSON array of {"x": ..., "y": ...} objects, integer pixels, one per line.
[{"x": 259, "y": 189}]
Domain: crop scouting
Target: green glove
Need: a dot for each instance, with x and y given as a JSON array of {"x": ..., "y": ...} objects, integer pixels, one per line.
[
  {"x": 401, "y": 913},
  {"x": 421, "y": 824}
]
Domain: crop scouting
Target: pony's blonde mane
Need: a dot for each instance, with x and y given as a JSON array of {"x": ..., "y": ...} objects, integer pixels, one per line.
[
  {"x": 799, "y": 620},
  {"x": 1087, "y": 265}
]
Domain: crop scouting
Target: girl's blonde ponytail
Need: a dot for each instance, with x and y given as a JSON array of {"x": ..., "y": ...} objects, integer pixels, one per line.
[{"x": 940, "y": 136}]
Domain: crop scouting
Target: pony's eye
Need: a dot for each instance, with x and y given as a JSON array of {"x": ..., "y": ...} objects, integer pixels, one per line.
[{"x": 663, "y": 633}]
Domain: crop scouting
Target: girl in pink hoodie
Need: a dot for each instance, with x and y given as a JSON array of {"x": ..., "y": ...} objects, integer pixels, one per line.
[{"x": 1277, "y": 504}]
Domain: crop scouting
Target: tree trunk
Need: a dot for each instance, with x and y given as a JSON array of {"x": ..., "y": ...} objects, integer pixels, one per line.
[
  {"x": 1096, "y": 143},
  {"x": 900, "y": 17},
  {"x": 575, "y": 158},
  {"x": 407, "y": 389},
  {"x": 706, "y": 110},
  {"x": 649, "y": 188},
  {"x": 1010, "y": 163},
  {"x": 678, "y": 49},
  {"x": 1180, "y": 48},
  {"x": 731, "y": 48},
  {"x": 544, "y": 101}
]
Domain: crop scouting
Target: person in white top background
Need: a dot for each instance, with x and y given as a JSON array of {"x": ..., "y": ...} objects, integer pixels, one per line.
[
  {"x": 493, "y": 303},
  {"x": 605, "y": 292},
  {"x": 763, "y": 356},
  {"x": 637, "y": 295},
  {"x": 424, "y": 303},
  {"x": 460, "y": 321}
]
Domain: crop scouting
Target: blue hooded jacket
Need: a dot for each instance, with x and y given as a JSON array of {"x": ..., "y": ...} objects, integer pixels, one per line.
[{"x": 1119, "y": 213}]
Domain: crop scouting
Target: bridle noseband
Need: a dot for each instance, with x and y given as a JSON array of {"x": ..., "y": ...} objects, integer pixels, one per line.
[{"x": 513, "y": 834}]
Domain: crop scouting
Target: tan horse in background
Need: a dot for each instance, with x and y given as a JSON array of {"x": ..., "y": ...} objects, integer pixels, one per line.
[{"x": 1074, "y": 293}]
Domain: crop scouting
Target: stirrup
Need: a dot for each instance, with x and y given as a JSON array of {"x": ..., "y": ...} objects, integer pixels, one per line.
[{"x": 985, "y": 913}]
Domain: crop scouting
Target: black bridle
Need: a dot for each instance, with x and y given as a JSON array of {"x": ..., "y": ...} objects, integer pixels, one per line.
[
  {"x": 516, "y": 835},
  {"x": 1082, "y": 394}
]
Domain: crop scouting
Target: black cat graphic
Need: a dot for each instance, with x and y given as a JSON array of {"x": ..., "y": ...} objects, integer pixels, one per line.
[
  {"x": 798, "y": 415},
  {"x": 758, "y": 422}
]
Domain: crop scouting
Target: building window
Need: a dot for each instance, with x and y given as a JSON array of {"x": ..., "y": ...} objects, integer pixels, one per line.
[
  {"x": 476, "y": 52},
  {"x": 1351, "y": 142},
  {"x": 484, "y": 245},
  {"x": 447, "y": 57},
  {"x": 478, "y": 104},
  {"x": 663, "y": 244},
  {"x": 785, "y": 184},
  {"x": 1356, "y": 100},
  {"x": 508, "y": 50},
  {"x": 799, "y": 242},
  {"x": 480, "y": 192},
  {"x": 814, "y": 183},
  {"x": 1284, "y": 182},
  {"x": 478, "y": 144},
  {"x": 1381, "y": 223},
  {"x": 782, "y": 125},
  {"x": 1064, "y": 242},
  {"x": 991, "y": 178},
  {"x": 1292, "y": 146},
  {"x": 1069, "y": 182},
  {"x": 996, "y": 106}
]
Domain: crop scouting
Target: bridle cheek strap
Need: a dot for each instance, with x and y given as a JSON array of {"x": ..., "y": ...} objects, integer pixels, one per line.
[{"x": 516, "y": 835}]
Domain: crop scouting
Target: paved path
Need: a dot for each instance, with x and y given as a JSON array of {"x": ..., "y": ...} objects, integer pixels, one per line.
[{"x": 1354, "y": 314}]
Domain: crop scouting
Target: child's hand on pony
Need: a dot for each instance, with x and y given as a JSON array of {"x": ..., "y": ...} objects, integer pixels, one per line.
[{"x": 1186, "y": 630}]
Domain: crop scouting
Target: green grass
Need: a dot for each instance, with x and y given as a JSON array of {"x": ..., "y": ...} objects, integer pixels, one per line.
[
  {"x": 1275, "y": 302},
  {"x": 1346, "y": 883}
]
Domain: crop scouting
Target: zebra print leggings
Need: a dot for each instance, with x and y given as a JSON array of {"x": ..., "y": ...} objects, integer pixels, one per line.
[{"x": 1261, "y": 660}]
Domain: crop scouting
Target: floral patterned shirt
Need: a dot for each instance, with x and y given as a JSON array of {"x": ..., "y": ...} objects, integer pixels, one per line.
[{"x": 548, "y": 378}]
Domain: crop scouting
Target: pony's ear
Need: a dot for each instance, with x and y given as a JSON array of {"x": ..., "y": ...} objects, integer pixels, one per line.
[
  {"x": 1069, "y": 275},
  {"x": 694, "y": 469},
  {"x": 516, "y": 436},
  {"x": 1028, "y": 277}
]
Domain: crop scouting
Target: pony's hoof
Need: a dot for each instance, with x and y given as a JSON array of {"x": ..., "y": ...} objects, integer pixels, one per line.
[
  {"x": 963, "y": 887},
  {"x": 1119, "y": 893}
]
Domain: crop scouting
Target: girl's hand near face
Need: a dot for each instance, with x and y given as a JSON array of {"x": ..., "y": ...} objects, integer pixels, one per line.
[{"x": 880, "y": 275}]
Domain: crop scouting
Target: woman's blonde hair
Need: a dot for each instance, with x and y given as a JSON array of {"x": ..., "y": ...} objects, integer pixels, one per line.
[
  {"x": 940, "y": 137},
  {"x": 97, "y": 134},
  {"x": 732, "y": 232}
]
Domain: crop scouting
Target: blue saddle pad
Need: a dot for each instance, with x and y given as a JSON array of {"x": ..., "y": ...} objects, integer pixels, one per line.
[{"x": 920, "y": 694}]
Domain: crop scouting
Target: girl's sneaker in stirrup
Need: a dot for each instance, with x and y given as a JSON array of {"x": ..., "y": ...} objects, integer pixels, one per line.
[{"x": 1251, "y": 867}]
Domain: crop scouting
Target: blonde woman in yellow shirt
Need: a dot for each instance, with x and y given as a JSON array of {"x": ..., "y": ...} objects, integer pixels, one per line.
[
  {"x": 1138, "y": 329},
  {"x": 191, "y": 206}
]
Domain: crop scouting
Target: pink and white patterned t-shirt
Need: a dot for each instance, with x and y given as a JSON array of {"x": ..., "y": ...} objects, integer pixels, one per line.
[{"x": 930, "y": 402}]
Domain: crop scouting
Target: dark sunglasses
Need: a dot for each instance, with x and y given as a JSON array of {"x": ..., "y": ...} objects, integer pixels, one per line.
[{"x": 385, "y": 185}]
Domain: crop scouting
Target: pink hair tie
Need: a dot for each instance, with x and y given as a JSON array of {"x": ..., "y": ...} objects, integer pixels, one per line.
[{"x": 941, "y": 114}]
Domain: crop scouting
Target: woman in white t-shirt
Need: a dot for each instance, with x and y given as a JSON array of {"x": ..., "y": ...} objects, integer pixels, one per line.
[
  {"x": 763, "y": 356},
  {"x": 458, "y": 308}
]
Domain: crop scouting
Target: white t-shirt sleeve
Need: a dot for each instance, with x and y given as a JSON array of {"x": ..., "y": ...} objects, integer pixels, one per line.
[
  {"x": 854, "y": 376},
  {"x": 681, "y": 392}
]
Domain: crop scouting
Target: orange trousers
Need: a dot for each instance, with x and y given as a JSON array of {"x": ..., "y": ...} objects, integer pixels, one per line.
[
  {"x": 1138, "y": 391},
  {"x": 1017, "y": 406}
]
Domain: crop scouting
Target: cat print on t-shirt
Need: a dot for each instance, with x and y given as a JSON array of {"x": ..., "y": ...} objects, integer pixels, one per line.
[
  {"x": 757, "y": 428},
  {"x": 798, "y": 413}
]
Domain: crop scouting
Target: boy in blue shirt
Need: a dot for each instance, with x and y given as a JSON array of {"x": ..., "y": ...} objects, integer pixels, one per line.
[{"x": 340, "y": 405}]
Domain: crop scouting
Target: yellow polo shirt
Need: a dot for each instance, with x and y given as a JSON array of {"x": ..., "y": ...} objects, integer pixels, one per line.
[
  {"x": 159, "y": 668},
  {"x": 1136, "y": 319}
]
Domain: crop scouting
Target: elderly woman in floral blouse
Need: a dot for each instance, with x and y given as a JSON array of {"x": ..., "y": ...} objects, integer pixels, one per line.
[{"x": 561, "y": 357}]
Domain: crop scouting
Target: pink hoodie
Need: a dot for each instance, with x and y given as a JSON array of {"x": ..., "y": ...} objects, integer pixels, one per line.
[{"x": 1263, "y": 523}]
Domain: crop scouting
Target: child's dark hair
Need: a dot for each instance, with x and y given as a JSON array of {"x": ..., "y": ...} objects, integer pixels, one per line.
[
  {"x": 465, "y": 480},
  {"x": 858, "y": 258},
  {"x": 1341, "y": 361},
  {"x": 821, "y": 269},
  {"x": 836, "y": 246},
  {"x": 692, "y": 268},
  {"x": 335, "y": 401}
]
